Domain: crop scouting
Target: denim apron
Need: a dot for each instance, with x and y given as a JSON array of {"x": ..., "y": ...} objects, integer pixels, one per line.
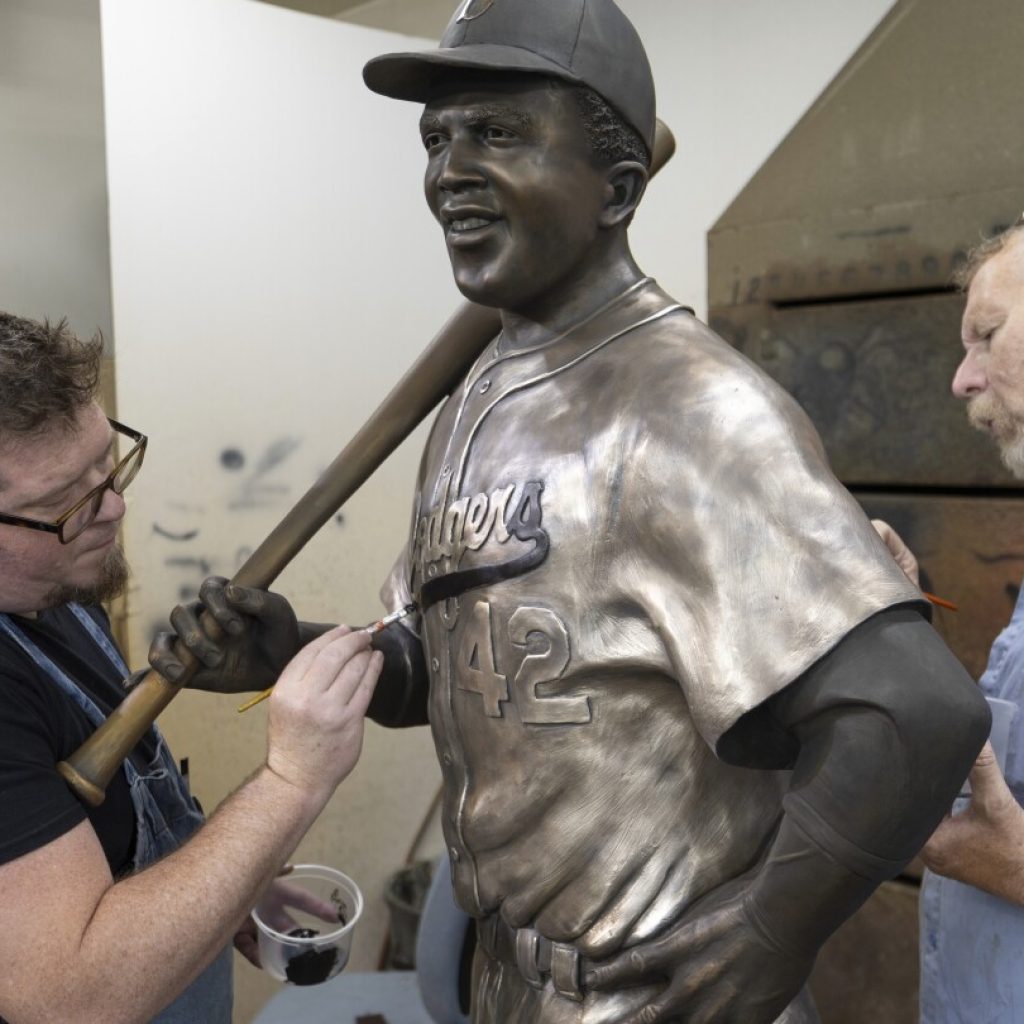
[
  {"x": 972, "y": 944},
  {"x": 165, "y": 816}
]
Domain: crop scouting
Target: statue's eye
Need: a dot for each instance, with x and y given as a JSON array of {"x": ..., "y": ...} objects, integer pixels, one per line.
[{"x": 494, "y": 133}]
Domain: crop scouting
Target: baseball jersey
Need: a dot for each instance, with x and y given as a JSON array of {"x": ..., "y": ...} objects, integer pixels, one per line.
[{"x": 623, "y": 542}]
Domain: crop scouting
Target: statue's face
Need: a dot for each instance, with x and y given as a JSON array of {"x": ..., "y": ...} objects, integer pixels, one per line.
[{"x": 512, "y": 180}]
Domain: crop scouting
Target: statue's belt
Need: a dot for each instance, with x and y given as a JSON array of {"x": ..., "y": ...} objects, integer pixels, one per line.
[{"x": 536, "y": 957}]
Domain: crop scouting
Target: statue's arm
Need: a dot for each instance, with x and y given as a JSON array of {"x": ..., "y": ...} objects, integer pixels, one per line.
[
  {"x": 401, "y": 696},
  {"x": 887, "y": 725}
]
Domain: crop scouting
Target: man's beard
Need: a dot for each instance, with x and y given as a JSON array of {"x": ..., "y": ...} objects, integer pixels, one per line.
[
  {"x": 989, "y": 414},
  {"x": 113, "y": 578}
]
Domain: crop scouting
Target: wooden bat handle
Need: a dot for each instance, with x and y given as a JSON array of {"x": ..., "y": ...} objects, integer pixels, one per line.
[{"x": 434, "y": 375}]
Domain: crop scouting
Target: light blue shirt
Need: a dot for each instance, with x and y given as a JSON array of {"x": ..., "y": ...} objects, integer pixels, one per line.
[{"x": 972, "y": 944}]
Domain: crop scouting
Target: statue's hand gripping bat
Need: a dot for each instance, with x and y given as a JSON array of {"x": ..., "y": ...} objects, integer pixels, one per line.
[{"x": 430, "y": 379}]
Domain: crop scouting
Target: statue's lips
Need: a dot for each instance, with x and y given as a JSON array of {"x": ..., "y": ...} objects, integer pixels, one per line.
[{"x": 468, "y": 227}]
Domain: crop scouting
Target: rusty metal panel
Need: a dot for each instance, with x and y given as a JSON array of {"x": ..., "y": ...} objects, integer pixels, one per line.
[
  {"x": 903, "y": 248},
  {"x": 971, "y": 551},
  {"x": 907, "y": 158},
  {"x": 868, "y": 970},
  {"x": 875, "y": 378}
]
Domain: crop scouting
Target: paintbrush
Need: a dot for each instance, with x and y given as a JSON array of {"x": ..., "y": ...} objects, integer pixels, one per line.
[{"x": 374, "y": 627}]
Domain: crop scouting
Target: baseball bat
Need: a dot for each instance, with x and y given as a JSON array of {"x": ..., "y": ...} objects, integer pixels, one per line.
[{"x": 429, "y": 380}]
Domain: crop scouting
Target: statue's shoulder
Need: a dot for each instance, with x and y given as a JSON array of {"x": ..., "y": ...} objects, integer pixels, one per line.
[{"x": 690, "y": 374}]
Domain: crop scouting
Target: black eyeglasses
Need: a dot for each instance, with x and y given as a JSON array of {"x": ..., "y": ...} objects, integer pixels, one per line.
[{"x": 81, "y": 515}]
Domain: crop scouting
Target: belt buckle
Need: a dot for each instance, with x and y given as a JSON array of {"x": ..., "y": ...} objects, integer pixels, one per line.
[
  {"x": 527, "y": 949},
  {"x": 536, "y": 957},
  {"x": 565, "y": 971}
]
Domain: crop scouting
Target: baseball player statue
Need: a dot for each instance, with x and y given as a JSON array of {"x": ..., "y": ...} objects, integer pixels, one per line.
[{"x": 687, "y": 707}]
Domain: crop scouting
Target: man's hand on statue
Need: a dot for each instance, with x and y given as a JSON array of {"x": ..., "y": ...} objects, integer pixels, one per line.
[
  {"x": 720, "y": 967},
  {"x": 260, "y": 636},
  {"x": 983, "y": 845},
  {"x": 898, "y": 549},
  {"x": 317, "y": 710}
]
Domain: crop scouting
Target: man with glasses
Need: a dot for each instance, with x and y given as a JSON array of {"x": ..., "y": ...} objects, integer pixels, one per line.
[
  {"x": 82, "y": 514},
  {"x": 124, "y": 911}
]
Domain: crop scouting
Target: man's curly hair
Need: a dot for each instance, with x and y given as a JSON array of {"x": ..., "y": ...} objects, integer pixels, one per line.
[{"x": 47, "y": 375}]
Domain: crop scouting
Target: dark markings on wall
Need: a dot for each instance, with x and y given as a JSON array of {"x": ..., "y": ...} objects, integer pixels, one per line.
[
  {"x": 255, "y": 491},
  {"x": 232, "y": 458},
  {"x": 183, "y": 536}
]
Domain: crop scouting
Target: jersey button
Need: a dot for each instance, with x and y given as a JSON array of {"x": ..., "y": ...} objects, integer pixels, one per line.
[
  {"x": 435, "y": 664},
  {"x": 447, "y": 759},
  {"x": 485, "y": 386},
  {"x": 455, "y": 855}
]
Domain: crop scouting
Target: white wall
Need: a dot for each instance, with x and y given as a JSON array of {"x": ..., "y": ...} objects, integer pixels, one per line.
[
  {"x": 53, "y": 195},
  {"x": 733, "y": 77}
]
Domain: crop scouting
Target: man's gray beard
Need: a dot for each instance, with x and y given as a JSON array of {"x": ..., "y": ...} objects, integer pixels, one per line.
[
  {"x": 1012, "y": 454},
  {"x": 1009, "y": 431},
  {"x": 113, "y": 579}
]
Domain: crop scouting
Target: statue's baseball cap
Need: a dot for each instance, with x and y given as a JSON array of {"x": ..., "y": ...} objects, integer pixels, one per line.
[{"x": 586, "y": 41}]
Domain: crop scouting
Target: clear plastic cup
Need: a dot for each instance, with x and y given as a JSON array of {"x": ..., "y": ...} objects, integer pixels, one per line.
[{"x": 306, "y": 920}]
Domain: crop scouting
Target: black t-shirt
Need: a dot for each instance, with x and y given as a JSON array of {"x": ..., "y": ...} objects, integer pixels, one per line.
[{"x": 40, "y": 725}]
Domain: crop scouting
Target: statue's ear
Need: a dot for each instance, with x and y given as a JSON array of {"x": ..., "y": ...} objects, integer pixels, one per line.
[{"x": 627, "y": 181}]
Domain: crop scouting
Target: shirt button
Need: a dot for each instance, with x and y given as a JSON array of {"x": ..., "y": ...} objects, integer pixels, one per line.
[
  {"x": 455, "y": 855},
  {"x": 446, "y": 470},
  {"x": 485, "y": 386},
  {"x": 447, "y": 759},
  {"x": 435, "y": 664},
  {"x": 432, "y": 571}
]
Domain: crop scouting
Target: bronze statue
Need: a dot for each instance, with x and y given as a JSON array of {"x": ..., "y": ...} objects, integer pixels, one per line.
[{"x": 688, "y": 710}]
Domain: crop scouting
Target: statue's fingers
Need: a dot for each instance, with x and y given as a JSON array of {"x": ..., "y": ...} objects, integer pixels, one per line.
[
  {"x": 185, "y": 620},
  {"x": 163, "y": 657},
  {"x": 214, "y": 599}
]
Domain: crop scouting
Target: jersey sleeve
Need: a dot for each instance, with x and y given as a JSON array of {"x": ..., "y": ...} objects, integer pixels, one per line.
[
  {"x": 751, "y": 560},
  {"x": 36, "y": 805},
  {"x": 396, "y": 591}
]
